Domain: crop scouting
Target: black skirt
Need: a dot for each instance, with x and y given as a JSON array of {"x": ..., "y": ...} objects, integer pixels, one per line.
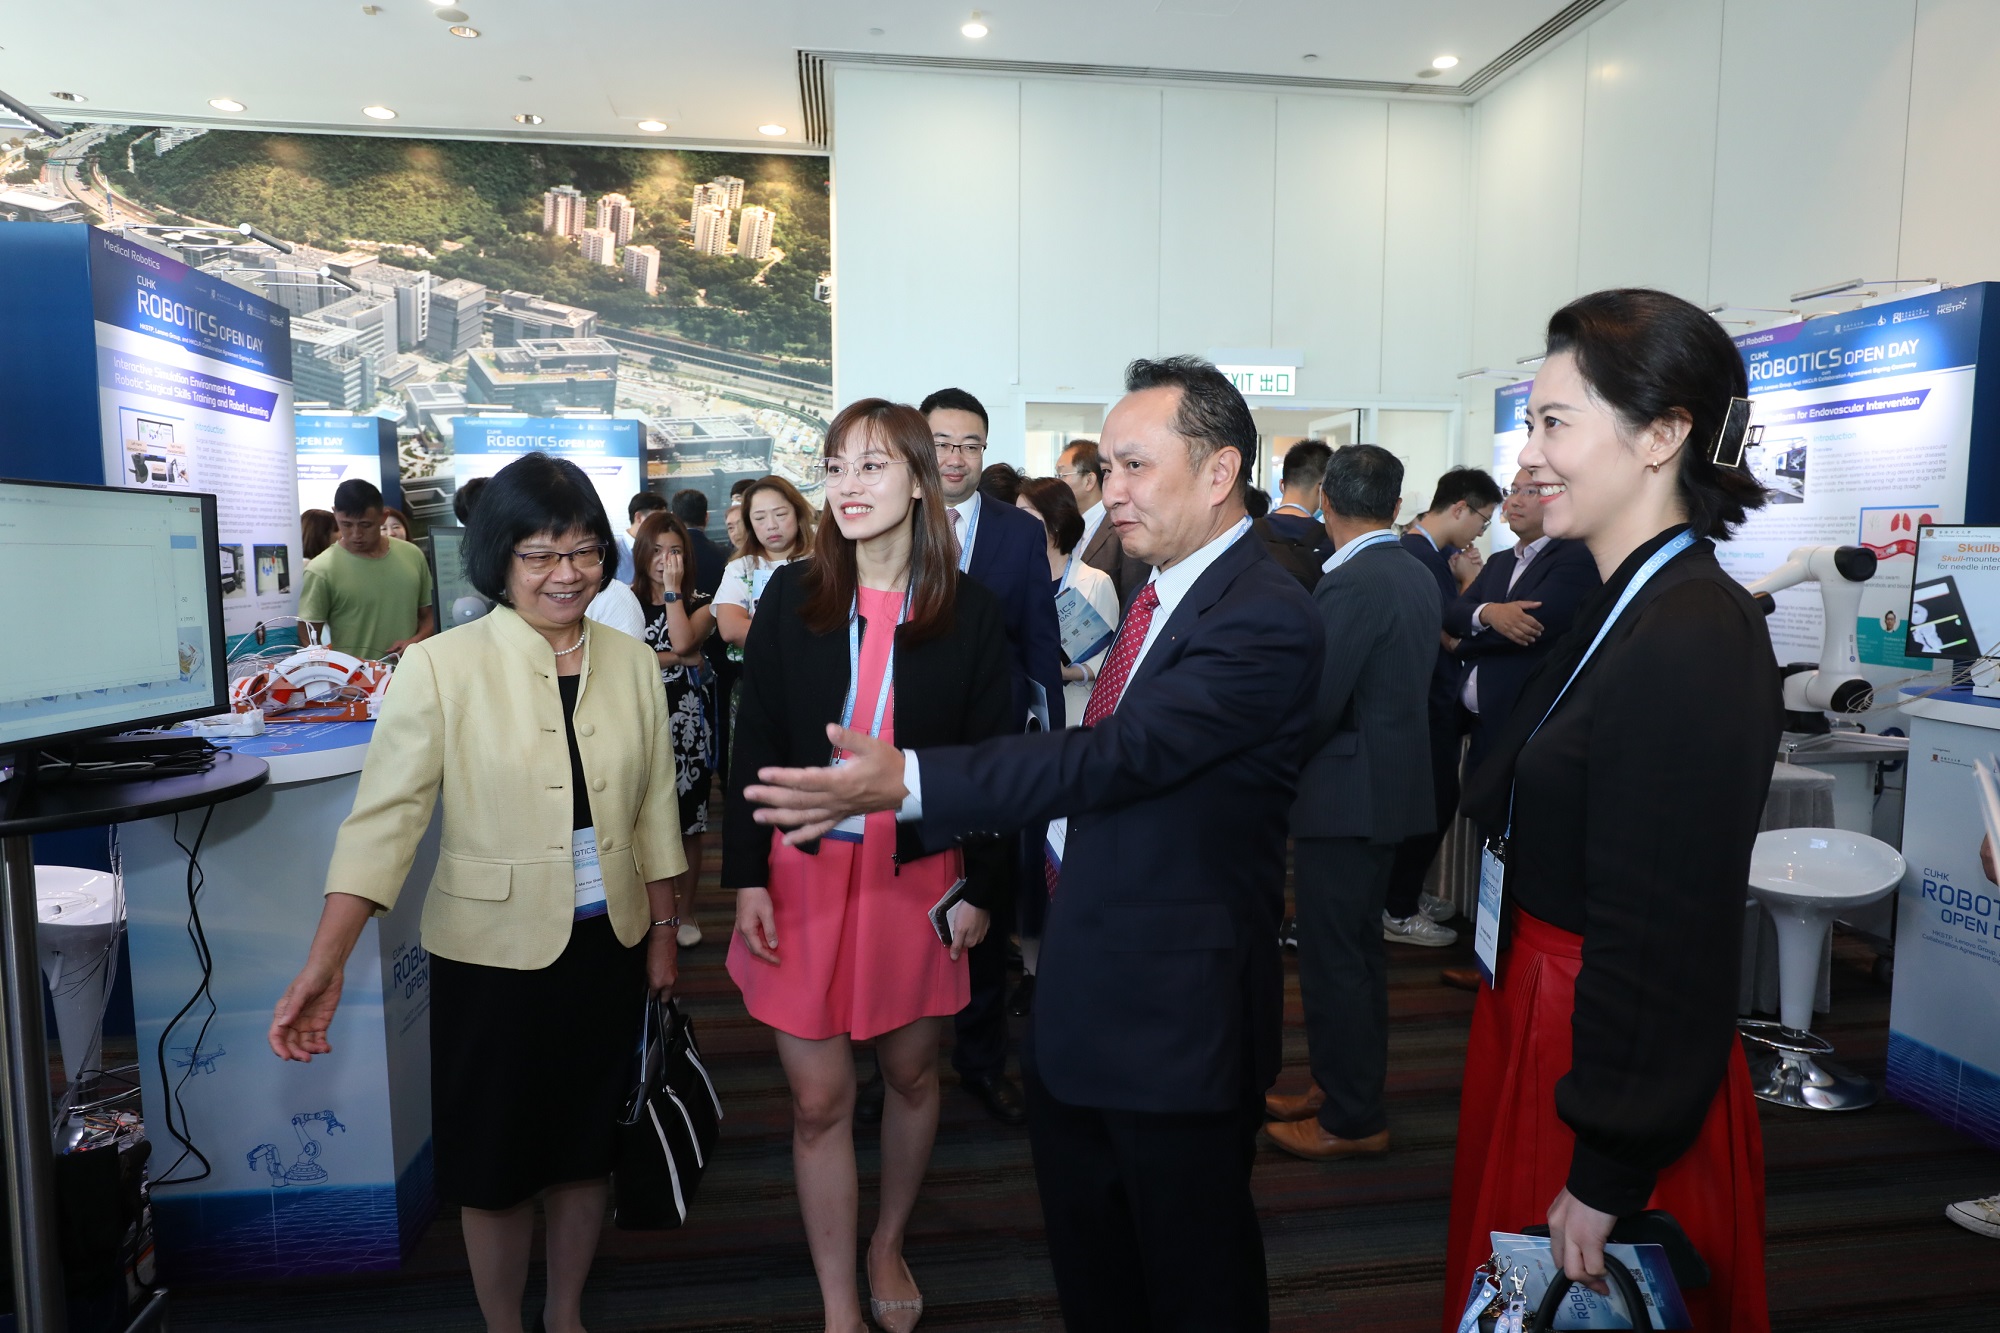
[{"x": 529, "y": 1069}]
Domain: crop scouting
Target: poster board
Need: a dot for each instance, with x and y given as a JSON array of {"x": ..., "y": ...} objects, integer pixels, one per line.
[
  {"x": 1510, "y": 430},
  {"x": 337, "y": 447},
  {"x": 606, "y": 448}
]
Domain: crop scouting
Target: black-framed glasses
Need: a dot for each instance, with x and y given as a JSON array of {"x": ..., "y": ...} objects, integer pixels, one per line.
[{"x": 584, "y": 559}]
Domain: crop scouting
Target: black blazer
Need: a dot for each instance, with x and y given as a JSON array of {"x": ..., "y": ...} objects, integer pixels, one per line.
[
  {"x": 1636, "y": 808},
  {"x": 1159, "y": 986},
  {"x": 1560, "y": 578},
  {"x": 1446, "y": 674},
  {"x": 950, "y": 690},
  {"x": 1010, "y": 559}
]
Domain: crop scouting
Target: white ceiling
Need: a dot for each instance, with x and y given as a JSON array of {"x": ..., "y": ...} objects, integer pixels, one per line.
[{"x": 592, "y": 69}]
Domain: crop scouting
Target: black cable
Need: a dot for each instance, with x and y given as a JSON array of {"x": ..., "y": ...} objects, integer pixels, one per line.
[{"x": 172, "y": 1101}]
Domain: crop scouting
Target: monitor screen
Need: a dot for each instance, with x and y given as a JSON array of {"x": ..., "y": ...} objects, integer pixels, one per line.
[
  {"x": 114, "y": 609},
  {"x": 448, "y": 567},
  {"x": 1955, "y": 593}
]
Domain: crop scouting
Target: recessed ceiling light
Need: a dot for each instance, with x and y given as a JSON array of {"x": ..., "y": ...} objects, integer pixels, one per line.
[
  {"x": 652, "y": 126},
  {"x": 378, "y": 113},
  {"x": 527, "y": 118},
  {"x": 524, "y": 78},
  {"x": 225, "y": 104},
  {"x": 1445, "y": 62},
  {"x": 461, "y": 30},
  {"x": 451, "y": 15},
  {"x": 974, "y": 27},
  {"x": 69, "y": 97},
  {"x": 771, "y": 129}
]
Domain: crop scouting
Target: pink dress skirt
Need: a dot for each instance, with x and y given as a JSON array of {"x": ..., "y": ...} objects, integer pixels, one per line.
[{"x": 859, "y": 956}]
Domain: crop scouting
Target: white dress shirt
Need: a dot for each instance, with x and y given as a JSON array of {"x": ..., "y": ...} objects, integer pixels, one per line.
[
  {"x": 1523, "y": 553},
  {"x": 1346, "y": 551},
  {"x": 1093, "y": 519},
  {"x": 617, "y": 607},
  {"x": 964, "y": 520}
]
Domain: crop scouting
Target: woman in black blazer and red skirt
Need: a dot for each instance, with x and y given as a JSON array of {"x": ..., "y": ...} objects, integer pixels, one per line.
[{"x": 1605, "y": 1076}]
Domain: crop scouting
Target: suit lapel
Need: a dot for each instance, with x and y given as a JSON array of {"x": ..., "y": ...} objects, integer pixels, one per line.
[{"x": 1206, "y": 592}]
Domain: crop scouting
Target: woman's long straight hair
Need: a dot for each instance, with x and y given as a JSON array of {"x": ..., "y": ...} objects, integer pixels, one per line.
[{"x": 899, "y": 430}]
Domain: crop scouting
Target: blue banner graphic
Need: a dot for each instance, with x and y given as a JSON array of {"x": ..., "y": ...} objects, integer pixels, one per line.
[
  {"x": 1937, "y": 331},
  {"x": 175, "y": 385},
  {"x": 136, "y": 288}
]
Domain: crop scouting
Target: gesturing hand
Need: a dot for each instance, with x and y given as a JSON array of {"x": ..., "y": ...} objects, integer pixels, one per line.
[
  {"x": 1512, "y": 622},
  {"x": 1577, "y": 1235},
  {"x": 810, "y": 801},
  {"x": 757, "y": 923},
  {"x": 304, "y": 1013}
]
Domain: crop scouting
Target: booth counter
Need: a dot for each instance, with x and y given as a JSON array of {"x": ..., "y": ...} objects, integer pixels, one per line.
[
  {"x": 1944, "y": 1019},
  {"x": 310, "y": 1168}
]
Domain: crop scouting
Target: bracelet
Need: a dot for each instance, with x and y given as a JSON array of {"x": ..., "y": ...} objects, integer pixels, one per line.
[{"x": 673, "y": 921}]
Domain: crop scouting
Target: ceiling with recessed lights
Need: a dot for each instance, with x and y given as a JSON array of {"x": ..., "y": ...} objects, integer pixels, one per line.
[{"x": 724, "y": 75}]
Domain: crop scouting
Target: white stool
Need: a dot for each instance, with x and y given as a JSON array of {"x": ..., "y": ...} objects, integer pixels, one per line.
[
  {"x": 1805, "y": 877},
  {"x": 79, "y": 915}
]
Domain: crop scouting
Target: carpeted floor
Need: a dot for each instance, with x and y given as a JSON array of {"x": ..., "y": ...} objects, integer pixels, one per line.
[{"x": 1857, "y": 1236}]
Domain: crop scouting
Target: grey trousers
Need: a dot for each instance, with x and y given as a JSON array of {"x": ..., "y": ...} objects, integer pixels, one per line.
[{"x": 1341, "y": 885}]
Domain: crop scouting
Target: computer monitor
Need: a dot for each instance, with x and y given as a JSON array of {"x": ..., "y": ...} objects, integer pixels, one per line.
[
  {"x": 114, "y": 611},
  {"x": 449, "y": 585},
  {"x": 1955, "y": 593}
]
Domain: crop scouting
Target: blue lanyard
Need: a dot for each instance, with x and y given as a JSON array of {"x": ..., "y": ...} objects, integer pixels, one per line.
[
  {"x": 1069, "y": 571},
  {"x": 1682, "y": 540},
  {"x": 1360, "y": 544},
  {"x": 965, "y": 542},
  {"x": 854, "y": 665}
]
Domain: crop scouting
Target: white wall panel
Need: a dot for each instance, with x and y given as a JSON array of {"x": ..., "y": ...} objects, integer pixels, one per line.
[
  {"x": 926, "y": 237},
  {"x": 1809, "y": 148},
  {"x": 1426, "y": 250},
  {"x": 1090, "y": 233},
  {"x": 1649, "y": 146},
  {"x": 1529, "y": 169},
  {"x": 1951, "y": 192},
  {"x": 1327, "y": 292},
  {"x": 1217, "y": 192}
]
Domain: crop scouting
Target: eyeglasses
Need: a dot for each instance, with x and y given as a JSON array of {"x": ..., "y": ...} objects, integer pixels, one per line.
[
  {"x": 1081, "y": 473},
  {"x": 870, "y": 469},
  {"x": 584, "y": 559},
  {"x": 968, "y": 449}
]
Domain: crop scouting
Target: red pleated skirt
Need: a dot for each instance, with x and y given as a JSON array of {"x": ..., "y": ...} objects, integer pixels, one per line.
[{"x": 1514, "y": 1152}]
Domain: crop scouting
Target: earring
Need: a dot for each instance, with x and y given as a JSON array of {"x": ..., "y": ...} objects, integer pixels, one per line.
[{"x": 1653, "y": 467}]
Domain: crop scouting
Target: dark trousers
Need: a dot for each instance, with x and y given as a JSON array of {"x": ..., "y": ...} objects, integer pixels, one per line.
[
  {"x": 1414, "y": 856},
  {"x": 1150, "y": 1223},
  {"x": 980, "y": 1046},
  {"x": 1340, "y": 884}
]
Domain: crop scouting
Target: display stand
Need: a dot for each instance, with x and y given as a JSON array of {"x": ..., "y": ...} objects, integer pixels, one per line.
[{"x": 24, "y": 1058}]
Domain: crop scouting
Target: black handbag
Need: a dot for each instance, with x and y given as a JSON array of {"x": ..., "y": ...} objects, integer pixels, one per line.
[
  {"x": 1623, "y": 1285},
  {"x": 1652, "y": 1227},
  {"x": 668, "y": 1128}
]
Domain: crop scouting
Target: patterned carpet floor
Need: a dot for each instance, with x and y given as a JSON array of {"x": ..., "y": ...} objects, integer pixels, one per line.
[{"x": 1857, "y": 1236}]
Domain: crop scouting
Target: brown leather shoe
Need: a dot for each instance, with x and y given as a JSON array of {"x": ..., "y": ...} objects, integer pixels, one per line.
[
  {"x": 1461, "y": 978},
  {"x": 1294, "y": 1106},
  {"x": 1309, "y": 1139}
]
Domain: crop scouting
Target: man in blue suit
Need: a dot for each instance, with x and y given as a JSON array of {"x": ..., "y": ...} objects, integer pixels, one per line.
[{"x": 1155, "y": 1030}]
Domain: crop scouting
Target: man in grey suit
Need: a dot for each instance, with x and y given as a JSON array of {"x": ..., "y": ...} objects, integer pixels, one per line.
[{"x": 1366, "y": 786}]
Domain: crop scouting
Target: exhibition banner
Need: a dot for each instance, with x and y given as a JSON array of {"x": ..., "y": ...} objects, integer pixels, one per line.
[
  {"x": 1510, "y": 435},
  {"x": 606, "y": 448},
  {"x": 333, "y": 449},
  {"x": 195, "y": 394},
  {"x": 1867, "y": 427}
]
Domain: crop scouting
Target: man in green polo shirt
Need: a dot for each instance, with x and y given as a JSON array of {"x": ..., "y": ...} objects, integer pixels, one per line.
[{"x": 370, "y": 590}]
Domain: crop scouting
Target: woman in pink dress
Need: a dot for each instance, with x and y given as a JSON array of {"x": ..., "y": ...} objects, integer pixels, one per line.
[{"x": 835, "y": 939}]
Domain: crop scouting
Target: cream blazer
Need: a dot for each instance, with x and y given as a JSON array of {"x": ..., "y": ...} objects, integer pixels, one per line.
[{"x": 475, "y": 715}]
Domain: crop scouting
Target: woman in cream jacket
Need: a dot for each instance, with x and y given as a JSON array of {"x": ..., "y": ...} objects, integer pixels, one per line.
[{"x": 551, "y": 912}]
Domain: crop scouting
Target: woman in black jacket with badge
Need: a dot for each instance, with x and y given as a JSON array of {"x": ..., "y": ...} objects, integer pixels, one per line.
[{"x": 1605, "y": 1076}]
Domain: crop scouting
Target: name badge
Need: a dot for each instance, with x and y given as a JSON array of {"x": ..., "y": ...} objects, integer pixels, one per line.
[
  {"x": 1057, "y": 839},
  {"x": 589, "y": 874},
  {"x": 1486, "y": 929},
  {"x": 853, "y": 827}
]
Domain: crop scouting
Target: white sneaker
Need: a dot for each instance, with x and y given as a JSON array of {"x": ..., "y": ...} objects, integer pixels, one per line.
[
  {"x": 1437, "y": 909},
  {"x": 1980, "y": 1215},
  {"x": 1417, "y": 929},
  {"x": 688, "y": 935}
]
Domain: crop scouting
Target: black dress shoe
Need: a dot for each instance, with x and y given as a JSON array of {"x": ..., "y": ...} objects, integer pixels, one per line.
[
  {"x": 1022, "y": 1001},
  {"x": 868, "y": 1099},
  {"x": 1288, "y": 934},
  {"x": 1000, "y": 1095}
]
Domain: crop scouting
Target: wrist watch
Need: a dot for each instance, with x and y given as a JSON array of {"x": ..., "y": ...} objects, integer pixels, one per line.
[
  {"x": 673, "y": 921},
  {"x": 666, "y": 597}
]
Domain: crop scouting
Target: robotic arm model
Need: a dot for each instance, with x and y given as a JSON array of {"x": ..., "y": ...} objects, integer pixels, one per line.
[{"x": 1837, "y": 685}]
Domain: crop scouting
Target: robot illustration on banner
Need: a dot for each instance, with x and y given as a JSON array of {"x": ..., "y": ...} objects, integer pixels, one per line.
[{"x": 306, "y": 1170}]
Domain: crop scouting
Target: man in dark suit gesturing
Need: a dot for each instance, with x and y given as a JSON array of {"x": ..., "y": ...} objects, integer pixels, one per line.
[
  {"x": 1156, "y": 1022},
  {"x": 1365, "y": 788}
]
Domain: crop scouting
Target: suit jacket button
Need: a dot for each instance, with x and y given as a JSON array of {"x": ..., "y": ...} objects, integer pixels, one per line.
[
  {"x": 597, "y": 784},
  {"x": 585, "y": 729}
]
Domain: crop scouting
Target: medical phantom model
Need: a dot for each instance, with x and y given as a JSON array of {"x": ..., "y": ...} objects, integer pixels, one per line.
[{"x": 1836, "y": 685}]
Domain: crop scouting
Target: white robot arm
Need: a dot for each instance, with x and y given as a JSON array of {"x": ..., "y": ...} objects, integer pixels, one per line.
[{"x": 1837, "y": 685}]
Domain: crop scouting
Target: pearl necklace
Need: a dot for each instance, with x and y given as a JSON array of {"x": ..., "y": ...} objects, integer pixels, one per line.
[{"x": 581, "y": 635}]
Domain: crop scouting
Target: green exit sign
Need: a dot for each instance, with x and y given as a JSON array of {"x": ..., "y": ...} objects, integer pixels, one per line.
[{"x": 1270, "y": 381}]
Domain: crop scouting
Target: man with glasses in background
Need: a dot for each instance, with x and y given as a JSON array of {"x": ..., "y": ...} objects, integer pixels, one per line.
[
  {"x": 1461, "y": 507},
  {"x": 1082, "y": 469}
]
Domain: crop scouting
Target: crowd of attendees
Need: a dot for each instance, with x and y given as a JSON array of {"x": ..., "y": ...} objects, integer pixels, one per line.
[{"x": 960, "y": 719}]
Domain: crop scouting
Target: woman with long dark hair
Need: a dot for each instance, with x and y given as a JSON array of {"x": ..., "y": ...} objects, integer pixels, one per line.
[
  {"x": 1605, "y": 1076},
  {"x": 834, "y": 940}
]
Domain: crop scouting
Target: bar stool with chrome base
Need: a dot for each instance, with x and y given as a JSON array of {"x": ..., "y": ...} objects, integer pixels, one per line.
[{"x": 1805, "y": 878}]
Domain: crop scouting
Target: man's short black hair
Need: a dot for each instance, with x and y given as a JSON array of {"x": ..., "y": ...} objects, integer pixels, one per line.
[
  {"x": 645, "y": 502},
  {"x": 1212, "y": 414},
  {"x": 465, "y": 500},
  {"x": 1305, "y": 464},
  {"x": 1363, "y": 481},
  {"x": 691, "y": 507},
  {"x": 534, "y": 493},
  {"x": 956, "y": 400},
  {"x": 741, "y": 485},
  {"x": 1474, "y": 485},
  {"x": 355, "y": 497}
]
